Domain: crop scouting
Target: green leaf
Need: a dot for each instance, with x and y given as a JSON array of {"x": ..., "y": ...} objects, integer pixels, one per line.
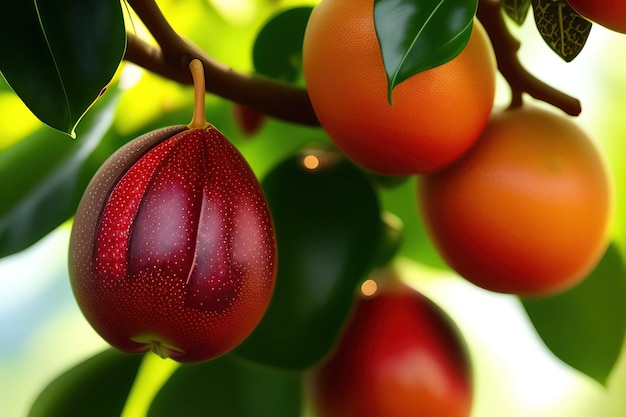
[
  {"x": 417, "y": 35},
  {"x": 277, "y": 51},
  {"x": 517, "y": 9},
  {"x": 561, "y": 27},
  {"x": 585, "y": 326},
  {"x": 42, "y": 178},
  {"x": 328, "y": 229},
  {"x": 58, "y": 56},
  {"x": 229, "y": 387},
  {"x": 96, "y": 387}
]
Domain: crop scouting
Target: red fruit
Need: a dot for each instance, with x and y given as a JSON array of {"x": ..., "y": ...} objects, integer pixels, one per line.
[
  {"x": 173, "y": 247},
  {"x": 608, "y": 13},
  {"x": 399, "y": 356},
  {"x": 248, "y": 120}
]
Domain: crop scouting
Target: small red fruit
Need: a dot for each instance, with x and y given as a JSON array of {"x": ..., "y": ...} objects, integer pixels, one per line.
[
  {"x": 249, "y": 120},
  {"x": 608, "y": 13},
  {"x": 173, "y": 246},
  {"x": 399, "y": 356}
]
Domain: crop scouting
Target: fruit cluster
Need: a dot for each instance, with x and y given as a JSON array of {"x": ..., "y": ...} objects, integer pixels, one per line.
[{"x": 176, "y": 246}]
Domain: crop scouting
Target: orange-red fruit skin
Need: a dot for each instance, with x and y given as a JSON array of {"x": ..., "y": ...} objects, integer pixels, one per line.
[
  {"x": 608, "y": 13},
  {"x": 173, "y": 244},
  {"x": 435, "y": 116},
  {"x": 399, "y": 356},
  {"x": 526, "y": 211}
]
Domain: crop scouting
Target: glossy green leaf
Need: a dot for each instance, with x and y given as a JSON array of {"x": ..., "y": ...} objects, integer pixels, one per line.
[
  {"x": 277, "y": 51},
  {"x": 561, "y": 27},
  {"x": 327, "y": 222},
  {"x": 42, "y": 178},
  {"x": 229, "y": 387},
  {"x": 585, "y": 326},
  {"x": 417, "y": 35},
  {"x": 517, "y": 9},
  {"x": 58, "y": 56},
  {"x": 97, "y": 387}
]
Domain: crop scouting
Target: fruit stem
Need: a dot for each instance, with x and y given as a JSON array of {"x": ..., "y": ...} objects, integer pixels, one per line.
[{"x": 198, "y": 120}]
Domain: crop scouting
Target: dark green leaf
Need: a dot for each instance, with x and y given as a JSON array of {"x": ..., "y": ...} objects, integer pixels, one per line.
[
  {"x": 517, "y": 9},
  {"x": 277, "y": 51},
  {"x": 40, "y": 178},
  {"x": 96, "y": 387},
  {"x": 585, "y": 326},
  {"x": 416, "y": 35},
  {"x": 561, "y": 27},
  {"x": 327, "y": 222},
  {"x": 59, "y": 55},
  {"x": 229, "y": 387}
]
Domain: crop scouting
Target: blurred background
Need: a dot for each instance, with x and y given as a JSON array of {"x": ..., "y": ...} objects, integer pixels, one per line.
[{"x": 42, "y": 332}]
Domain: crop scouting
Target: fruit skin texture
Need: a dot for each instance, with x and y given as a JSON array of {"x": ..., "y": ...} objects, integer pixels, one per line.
[
  {"x": 173, "y": 247},
  {"x": 608, "y": 13},
  {"x": 526, "y": 210},
  {"x": 400, "y": 355},
  {"x": 436, "y": 115}
]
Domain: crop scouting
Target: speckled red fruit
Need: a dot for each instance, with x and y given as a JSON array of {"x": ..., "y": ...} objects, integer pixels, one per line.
[
  {"x": 173, "y": 247},
  {"x": 608, "y": 13},
  {"x": 400, "y": 356}
]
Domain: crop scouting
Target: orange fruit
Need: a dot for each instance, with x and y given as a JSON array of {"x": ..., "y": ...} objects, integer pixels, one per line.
[
  {"x": 435, "y": 116},
  {"x": 526, "y": 210}
]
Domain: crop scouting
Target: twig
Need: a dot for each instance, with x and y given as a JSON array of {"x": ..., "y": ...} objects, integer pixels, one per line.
[
  {"x": 171, "y": 60},
  {"x": 519, "y": 79}
]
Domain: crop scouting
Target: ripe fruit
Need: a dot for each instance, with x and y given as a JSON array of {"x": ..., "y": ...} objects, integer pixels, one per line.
[
  {"x": 399, "y": 356},
  {"x": 173, "y": 247},
  {"x": 436, "y": 115},
  {"x": 248, "y": 120},
  {"x": 608, "y": 13},
  {"x": 526, "y": 210}
]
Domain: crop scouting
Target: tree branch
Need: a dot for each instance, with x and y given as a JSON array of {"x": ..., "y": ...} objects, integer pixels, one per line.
[
  {"x": 172, "y": 59},
  {"x": 520, "y": 80}
]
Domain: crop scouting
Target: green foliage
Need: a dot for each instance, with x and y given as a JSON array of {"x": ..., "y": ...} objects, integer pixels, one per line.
[
  {"x": 97, "y": 387},
  {"x": 327, "y": 222},
  {"x": 585, "y": 326},
  {"x": 431, "y": 33},
  {"x": 59, "y": 56},
  {"x": 277, "y": 51},
  {"x": 229, "y": 387}
]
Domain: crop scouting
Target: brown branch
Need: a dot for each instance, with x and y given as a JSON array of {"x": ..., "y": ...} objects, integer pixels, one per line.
[
  {"x": 171, "y": 60},
  {"x": 519, "y": 79}
]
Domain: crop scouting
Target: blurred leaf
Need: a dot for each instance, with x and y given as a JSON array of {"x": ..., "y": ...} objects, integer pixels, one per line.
[
  {"x": 229, "y": 387},
  {"x": 41, "y": 178},
  {"x": 517, "y": 9},
  {"x": 402, "y": 202},
  {"x": 327, "y": 222},
  {"x": 561, "y": 27},
  {"x": 58, "y": 56},
  {"x": 277, "y": 51},
  {"x": 416, "y": 35},
  {"x": 585, "y": 326},
  {"x": 96, "y": 387}
]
